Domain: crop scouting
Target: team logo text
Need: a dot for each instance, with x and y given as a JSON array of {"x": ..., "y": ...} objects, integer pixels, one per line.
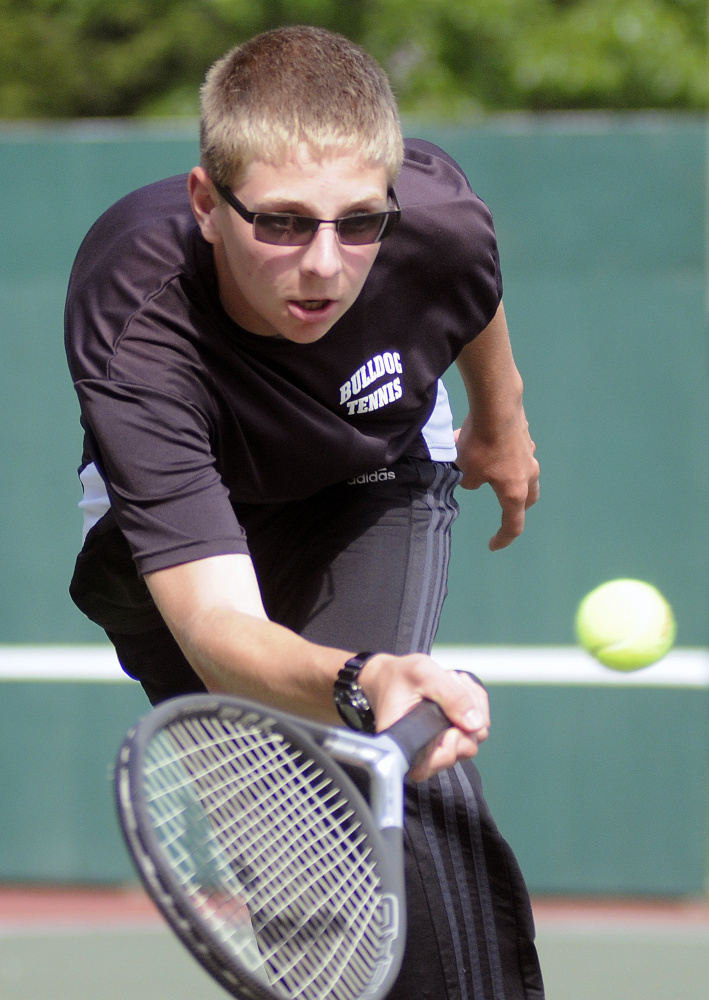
[{"x": 388, "y": 363}]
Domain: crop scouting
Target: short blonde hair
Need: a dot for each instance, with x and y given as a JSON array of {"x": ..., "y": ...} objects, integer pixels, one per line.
[{"x": 296, "y": 85}]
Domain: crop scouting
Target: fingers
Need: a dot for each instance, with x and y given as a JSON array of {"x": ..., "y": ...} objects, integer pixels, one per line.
[
  {"x": 511, "y": 527},
  {"x": 454, "y": 744},
  {"x": 451, "y": 747},
  {"x": 395, "y": 684},
  {"x": 514, "y": 509}
]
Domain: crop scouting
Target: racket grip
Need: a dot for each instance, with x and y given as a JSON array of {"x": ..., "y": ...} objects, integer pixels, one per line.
[{"x": 415, "y": 730}]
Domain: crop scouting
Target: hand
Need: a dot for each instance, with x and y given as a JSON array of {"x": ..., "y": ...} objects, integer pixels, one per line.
[
  {"x": 395, "y": 684},
  {"x": 504, "y": 459}
]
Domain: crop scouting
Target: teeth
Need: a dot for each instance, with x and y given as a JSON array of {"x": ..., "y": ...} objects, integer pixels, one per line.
[{"x": 313, "y": 304}]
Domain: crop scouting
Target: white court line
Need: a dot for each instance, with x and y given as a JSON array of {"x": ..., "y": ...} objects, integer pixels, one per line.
[
  {"x": 29, "y": 929},
  {"x": 563, "y": 665},
  {"x": 56, "y": 663},
  {"x": 569, "y": 665},
  {"x": 614, "y": 930}
]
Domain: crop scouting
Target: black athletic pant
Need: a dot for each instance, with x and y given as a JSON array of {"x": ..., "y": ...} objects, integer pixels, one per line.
[{"x": 363, "y": 566}]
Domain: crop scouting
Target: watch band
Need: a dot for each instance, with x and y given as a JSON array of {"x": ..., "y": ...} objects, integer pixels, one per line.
[{"x": 350, "y": 700}]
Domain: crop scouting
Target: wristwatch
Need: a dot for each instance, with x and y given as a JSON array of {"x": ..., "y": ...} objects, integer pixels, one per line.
[{"x": 350, "y": 700}]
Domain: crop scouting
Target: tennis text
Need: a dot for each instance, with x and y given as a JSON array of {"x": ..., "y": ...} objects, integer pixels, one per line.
[{"x": 388, "y": 363}]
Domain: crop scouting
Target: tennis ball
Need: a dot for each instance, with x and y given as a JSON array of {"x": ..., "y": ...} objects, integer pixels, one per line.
[{"x": 625, "y": 624}]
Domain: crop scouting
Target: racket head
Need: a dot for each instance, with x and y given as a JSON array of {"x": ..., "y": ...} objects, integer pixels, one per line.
[{"x": 260, "y": 852}]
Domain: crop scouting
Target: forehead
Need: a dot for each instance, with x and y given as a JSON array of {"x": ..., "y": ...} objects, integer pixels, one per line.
[{"x": 322, "y": 182}]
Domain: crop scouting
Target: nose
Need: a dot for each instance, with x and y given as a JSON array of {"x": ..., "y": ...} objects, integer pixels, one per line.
[{"x": 322, "y": 255}]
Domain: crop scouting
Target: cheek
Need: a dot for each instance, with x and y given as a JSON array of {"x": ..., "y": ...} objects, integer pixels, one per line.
[
  {"x": 254, "y": 269},
  {"x": 360, "y": 264}
]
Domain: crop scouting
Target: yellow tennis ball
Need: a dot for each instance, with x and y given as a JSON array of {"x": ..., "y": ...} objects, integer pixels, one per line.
[{"x": 625, "y": 624}]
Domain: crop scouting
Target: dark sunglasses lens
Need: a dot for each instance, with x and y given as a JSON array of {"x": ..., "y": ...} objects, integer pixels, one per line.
[
  {"x": 360, "y": 229},
  {"x": 392, "y": 221},
  {"x": 286, "y": 230}
]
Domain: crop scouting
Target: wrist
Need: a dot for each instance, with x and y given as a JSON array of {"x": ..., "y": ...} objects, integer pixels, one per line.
[
  {"x": 351, "y": 700},
  {"x": 375, "y": 676},
  {"x": 497, "y": 418}
]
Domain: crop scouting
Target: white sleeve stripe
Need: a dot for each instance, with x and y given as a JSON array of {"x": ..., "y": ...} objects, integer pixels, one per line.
[
  {"x": 438, "y": 430},
  {"x": 94, "y": 502}
]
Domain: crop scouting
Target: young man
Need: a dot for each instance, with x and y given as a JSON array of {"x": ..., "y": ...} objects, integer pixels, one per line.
[{"x": 269, "y": 456}]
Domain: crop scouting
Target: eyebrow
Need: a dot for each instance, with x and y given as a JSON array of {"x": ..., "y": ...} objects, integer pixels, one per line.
[{"x": 279, "y": 206}]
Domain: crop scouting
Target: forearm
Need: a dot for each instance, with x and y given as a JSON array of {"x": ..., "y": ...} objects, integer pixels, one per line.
[
  {"x": 260, "y": 660},
  {"x": 494, "y": 445},
  {"x": 214, "y": 610},
  {"x": 492, "y": 382}
]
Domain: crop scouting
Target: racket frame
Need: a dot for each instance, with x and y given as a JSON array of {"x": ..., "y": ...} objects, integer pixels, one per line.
[{"x": 378, "y": 756}]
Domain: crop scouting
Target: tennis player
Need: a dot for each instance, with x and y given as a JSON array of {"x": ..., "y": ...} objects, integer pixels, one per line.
[{"x": 270, "y": 464}]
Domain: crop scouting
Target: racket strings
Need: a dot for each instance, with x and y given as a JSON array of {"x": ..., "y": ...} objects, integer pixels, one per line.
[
  {"x": 300, "y": 827},
  {"x": 271, "y": 854}
]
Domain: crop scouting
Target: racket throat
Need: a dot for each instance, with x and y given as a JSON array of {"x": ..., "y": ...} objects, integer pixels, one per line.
[{"x": 385, "y": 766}]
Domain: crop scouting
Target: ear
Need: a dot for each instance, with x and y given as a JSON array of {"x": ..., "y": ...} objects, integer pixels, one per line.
[{"x": 205, "y": 205}]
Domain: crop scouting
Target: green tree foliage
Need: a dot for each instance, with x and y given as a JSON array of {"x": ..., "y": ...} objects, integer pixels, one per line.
[
  {"x": 543, "y": 54},
  {"x": 447, "y": 58}
]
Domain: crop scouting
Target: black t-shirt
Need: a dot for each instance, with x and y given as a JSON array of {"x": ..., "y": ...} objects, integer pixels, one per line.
[{"x": 185, "y": 412}]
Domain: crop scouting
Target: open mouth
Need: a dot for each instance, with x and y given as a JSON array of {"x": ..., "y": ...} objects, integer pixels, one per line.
[
  {"x": 314, "y": 311},
  {"x": 314, "y": 305}
]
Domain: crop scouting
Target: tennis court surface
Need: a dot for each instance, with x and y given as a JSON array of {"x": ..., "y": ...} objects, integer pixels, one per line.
[{"x": 112, "y": 945}]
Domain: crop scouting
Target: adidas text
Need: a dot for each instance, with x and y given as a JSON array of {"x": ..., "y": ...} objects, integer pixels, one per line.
[{"x": 380, "y": 476}]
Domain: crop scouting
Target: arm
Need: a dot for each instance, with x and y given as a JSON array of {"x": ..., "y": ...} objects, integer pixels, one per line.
[
  {"x": 213, "y": 608},
  {"x": 494, "y": 445}
]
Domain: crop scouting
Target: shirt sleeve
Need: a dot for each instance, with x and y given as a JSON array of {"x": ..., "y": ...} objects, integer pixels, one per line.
[{"x": 154, "y": 453}]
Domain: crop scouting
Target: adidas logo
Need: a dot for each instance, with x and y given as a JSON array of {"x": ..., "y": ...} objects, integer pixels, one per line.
[{"x": 380, "y": 476}]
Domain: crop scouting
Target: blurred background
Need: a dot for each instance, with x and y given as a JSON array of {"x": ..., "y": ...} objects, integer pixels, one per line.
[
  {"x": 582, "y": 124},
  {"x": 448, "y": 59}
]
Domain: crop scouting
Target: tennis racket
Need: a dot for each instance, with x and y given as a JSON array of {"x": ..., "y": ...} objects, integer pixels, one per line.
[{"x": 261, "y": 851}]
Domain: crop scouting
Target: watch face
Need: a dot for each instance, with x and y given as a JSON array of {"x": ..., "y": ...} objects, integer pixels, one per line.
[
  {"x": 354, "y": 708},
  {"x": 350, "y": 715},
  {"x": 350, "y": 699}
]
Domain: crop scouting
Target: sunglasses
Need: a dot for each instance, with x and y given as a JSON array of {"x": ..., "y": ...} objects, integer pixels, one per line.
[{"x": 287, "y": 229}]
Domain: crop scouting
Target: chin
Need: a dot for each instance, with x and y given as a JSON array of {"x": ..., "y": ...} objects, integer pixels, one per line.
[{"x": 307, "y": 336}]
